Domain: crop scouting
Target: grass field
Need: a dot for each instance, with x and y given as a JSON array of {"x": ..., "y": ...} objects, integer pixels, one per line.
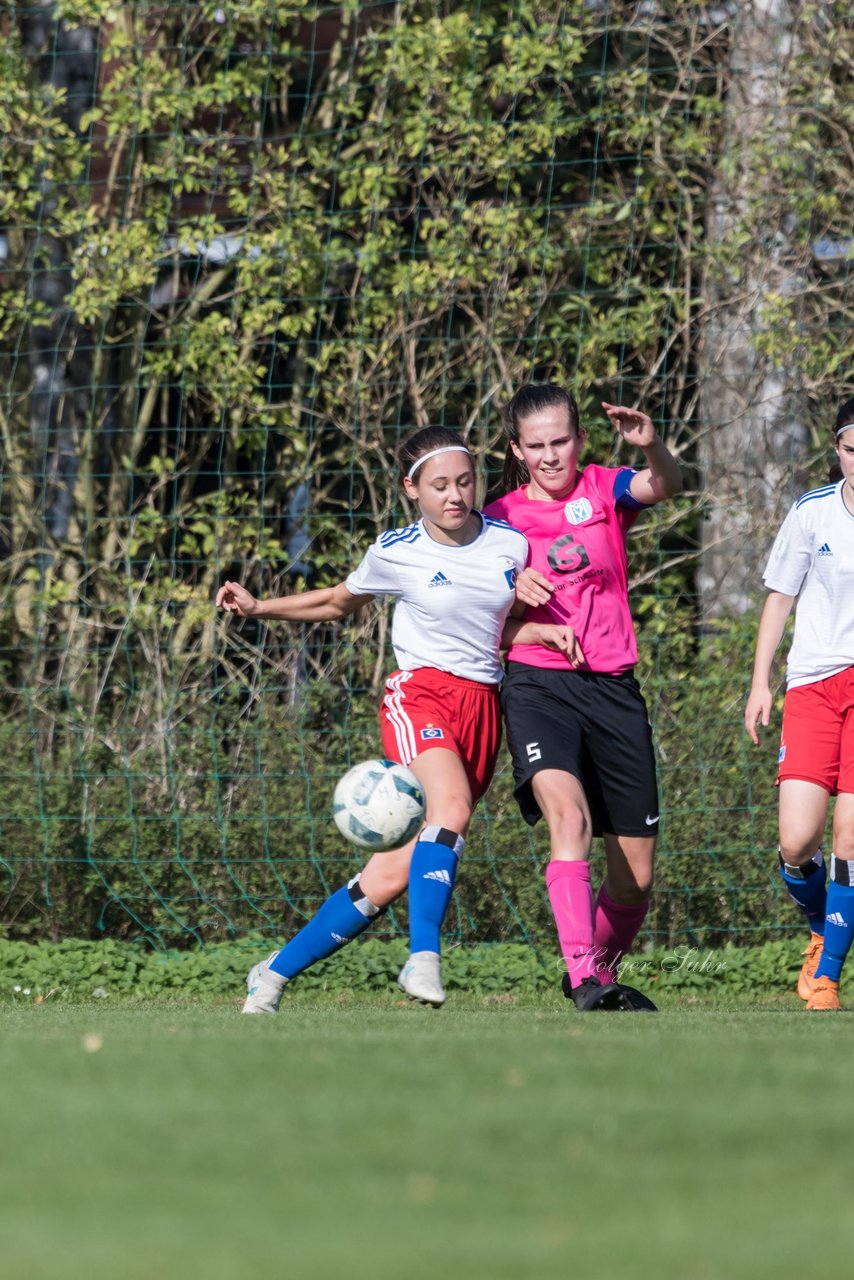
[{"x": 367, "y": 1138}]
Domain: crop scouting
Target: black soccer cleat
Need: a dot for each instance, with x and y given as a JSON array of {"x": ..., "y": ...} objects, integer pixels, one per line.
[
  {"x": 590, "y": 995},
  {"x": 634, "y": 1001}
]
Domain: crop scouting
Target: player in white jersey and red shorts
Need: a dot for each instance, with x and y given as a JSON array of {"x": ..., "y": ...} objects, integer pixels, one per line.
[
  {"x": 452, "y": 576},
  {"x": 812, "y": 561},
  {"x": 577, "y": 725}
]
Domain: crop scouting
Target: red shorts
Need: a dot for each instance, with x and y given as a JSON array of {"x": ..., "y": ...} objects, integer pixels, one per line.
[
  {"x": 817, "y": 742},
  {"x": 429, "y": 708}
]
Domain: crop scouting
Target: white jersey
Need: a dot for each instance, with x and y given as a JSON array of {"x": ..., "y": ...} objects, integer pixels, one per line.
[
  {"x": 813, "y": 558},
  {"x": 452, "y": 602}
]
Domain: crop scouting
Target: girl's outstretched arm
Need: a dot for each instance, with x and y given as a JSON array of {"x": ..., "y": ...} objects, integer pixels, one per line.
[{"x": 327, "y": 604}]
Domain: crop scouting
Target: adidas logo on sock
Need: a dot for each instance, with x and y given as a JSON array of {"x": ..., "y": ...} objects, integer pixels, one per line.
[
  {"x": 442, "y": 876},
  {"x": 837, "y": 919},
  {"x": 825, "y": 550}
]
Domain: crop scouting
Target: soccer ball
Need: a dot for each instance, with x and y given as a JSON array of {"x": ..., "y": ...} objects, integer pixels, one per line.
[{"x": 378, "y": 805}]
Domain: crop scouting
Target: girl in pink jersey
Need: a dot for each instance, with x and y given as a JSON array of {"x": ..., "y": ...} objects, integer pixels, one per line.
[
  {"x": 577, "y": 726},
  {"x": 452, "y": 576},
  {"x": 811, "y": 562}
]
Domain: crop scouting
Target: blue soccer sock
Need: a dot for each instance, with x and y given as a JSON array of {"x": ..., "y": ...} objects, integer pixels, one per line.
[
  {"x": 807, "y": 887},
  {"x": 341, "y": 918},
  {"x": 839, "y": 921},
  {"x": 431, "y": 882}
]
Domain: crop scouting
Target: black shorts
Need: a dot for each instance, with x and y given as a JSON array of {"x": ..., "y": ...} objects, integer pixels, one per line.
[{"x": 593, "y": 726}]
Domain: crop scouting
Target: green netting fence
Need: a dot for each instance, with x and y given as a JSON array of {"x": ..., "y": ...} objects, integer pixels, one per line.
[{"x": 243, "y": 248}]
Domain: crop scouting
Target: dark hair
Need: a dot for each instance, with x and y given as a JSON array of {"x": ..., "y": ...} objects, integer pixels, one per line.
[
  {"x": 425, "y": 441},
  {"x": 844, "y": 418},
  {"x": 528, "y": 400}
]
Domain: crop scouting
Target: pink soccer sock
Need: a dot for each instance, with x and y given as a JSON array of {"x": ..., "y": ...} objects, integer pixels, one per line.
[
  {"x": 571, "y": 897},
  {"x": 615, "y": 927}
]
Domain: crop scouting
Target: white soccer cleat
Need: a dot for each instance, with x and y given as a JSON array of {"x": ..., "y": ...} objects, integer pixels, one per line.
[
  {"x": 421, "y": 979},
  {"x": 264, "y": 988}
]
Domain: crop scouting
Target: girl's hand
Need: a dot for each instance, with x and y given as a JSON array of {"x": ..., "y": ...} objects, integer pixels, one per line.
[
  {"x": 236, "y": 599},
  {"x": 635, "y": 427},
  {"x": 533, "y": 587},
  {"x": 562, "y": 639},
  {"x": 758, "y": 708}
]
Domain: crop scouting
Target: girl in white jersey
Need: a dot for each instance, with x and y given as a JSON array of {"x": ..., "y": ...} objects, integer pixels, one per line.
[
  {"x": 453, "y": 579},
  {"x": 577, "y": 726},
  {"x": 812, "y": 561}
]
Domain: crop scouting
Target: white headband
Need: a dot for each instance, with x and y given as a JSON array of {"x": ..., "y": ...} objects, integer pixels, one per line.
[
  {"x": 846, "y": 428},
  {"x": 448, "y": 448}
]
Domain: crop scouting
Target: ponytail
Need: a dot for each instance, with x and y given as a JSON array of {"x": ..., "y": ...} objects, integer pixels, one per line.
[{"x": 515, "y": 473}]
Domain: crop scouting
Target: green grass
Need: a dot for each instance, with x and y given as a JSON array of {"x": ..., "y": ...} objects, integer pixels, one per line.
[{"x": 366, "y": 1138}]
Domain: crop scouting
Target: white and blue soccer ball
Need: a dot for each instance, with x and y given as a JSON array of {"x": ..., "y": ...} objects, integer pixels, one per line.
[{"x": 378, "y": 805}]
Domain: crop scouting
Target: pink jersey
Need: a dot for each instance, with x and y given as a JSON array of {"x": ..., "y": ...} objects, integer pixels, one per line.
[{"x": 579, "y": 543}]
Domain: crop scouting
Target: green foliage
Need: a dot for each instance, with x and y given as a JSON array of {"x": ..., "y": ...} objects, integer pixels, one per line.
[
  {"x": 109, "y": 969},
  {"x": 292, "y": 272},
  {"x": 222, "y": 824}
]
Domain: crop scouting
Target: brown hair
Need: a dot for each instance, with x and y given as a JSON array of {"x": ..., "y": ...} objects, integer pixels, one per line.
[
  {"x": 425, "y": 441},
  {"x": 844, "y": 418},
  {"x": 528, "y": 400}
]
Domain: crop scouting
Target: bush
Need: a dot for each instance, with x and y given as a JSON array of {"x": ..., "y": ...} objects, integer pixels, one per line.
[{"x": 112, "y": 970}]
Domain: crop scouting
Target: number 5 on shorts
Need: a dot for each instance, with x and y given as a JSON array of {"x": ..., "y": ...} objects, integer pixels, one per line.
[{"x": 533, "y": 750}]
